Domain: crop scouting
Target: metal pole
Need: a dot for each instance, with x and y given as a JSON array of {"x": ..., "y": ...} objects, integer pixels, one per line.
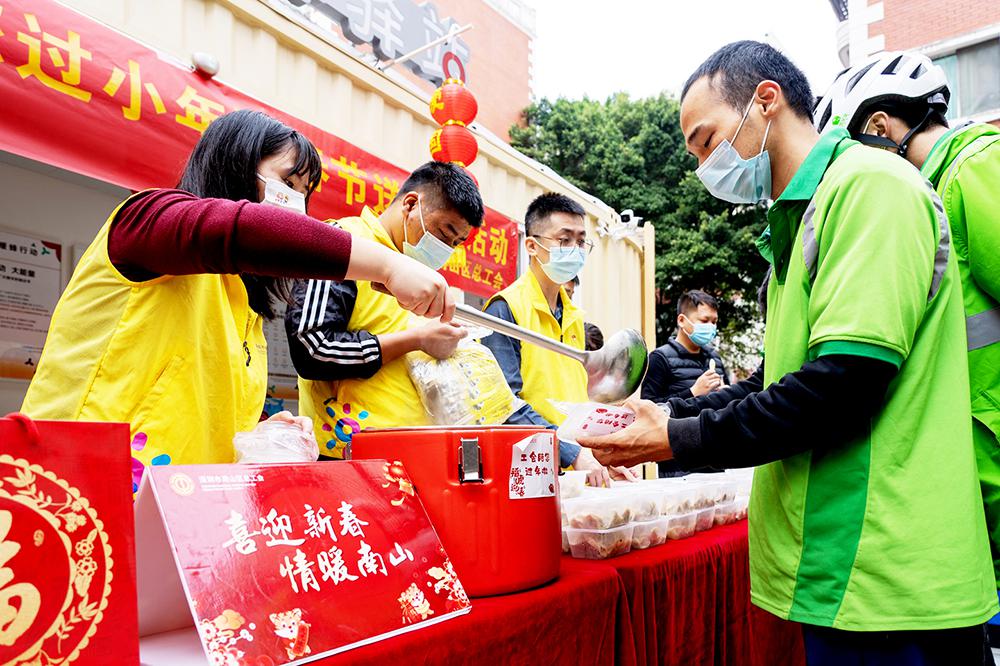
[{"x": 454, "y": 32}]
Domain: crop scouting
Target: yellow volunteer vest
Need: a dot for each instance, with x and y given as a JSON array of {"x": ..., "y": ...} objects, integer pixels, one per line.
[
  {"x": 547, "y": 375},
  {"x": 387, "y": 399},
  {"x": 165, "y": 356}
]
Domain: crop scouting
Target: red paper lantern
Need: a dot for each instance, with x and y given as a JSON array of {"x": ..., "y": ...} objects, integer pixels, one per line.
[
  {"x": 454, "y": 143},
  {"x": 453, "y": 103}
]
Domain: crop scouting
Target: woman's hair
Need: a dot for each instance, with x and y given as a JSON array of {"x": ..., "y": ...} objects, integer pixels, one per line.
[{"x": 223, "y": 165}]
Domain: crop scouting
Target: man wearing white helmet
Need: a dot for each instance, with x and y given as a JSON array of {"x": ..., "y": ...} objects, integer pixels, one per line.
[{"x": 898, "y": 101}]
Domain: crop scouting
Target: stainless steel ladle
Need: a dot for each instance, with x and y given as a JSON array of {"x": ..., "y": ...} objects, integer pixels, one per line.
[{"x": 614, "y": 371}]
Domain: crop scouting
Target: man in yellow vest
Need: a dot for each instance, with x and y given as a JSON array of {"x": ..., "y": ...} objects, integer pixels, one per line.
[
  {"x": 348, "y": 340},
  {"x": 556, "y": 242}
]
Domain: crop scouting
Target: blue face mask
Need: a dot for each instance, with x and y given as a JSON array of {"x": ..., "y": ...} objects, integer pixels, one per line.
[
  {"x": 430, "y": 250},
  {"x": 564, "y": 263},
  {"x": 702, "y": 333},
  {"x": 729, "y": 177}
]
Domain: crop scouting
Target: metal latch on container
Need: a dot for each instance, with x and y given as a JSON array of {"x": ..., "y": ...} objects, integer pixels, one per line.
[{"x": 470, "y": 464}]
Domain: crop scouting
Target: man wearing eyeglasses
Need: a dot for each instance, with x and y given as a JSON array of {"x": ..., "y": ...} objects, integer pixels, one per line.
[{"x": 557, "y": 245}]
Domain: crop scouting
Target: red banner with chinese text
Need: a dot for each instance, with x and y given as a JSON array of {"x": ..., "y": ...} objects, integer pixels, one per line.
[
  {"x": 289, "y": 563},
  {"x": 81, "y": 96}
]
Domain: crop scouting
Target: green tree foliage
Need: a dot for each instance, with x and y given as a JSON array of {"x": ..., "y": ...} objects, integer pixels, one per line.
[{"x": 630, "y": 153}]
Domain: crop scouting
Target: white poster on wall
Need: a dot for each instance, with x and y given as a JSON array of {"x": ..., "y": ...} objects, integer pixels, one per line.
[{"x": 30, "y": 285}]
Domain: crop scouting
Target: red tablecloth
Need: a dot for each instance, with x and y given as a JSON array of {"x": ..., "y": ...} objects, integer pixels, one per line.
[
  {"x": 689, "y": 604},
  {"x": 685, "y": 603},
  {"x": 582, "y": 618}
]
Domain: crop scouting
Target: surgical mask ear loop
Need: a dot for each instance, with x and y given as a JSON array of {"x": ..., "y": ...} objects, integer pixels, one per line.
[
  {"x": 763, "y": 143},
  {"x": 746, "y": 114},
  {"x": 406, "y": 222}
]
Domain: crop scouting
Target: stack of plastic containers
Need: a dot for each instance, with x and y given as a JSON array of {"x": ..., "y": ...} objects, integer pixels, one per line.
[
  {"x": 597, "y": 525},
  {"x": 743, "y": 478},
  {"x": 649, "y": 528},
  {"x": 605, "y": 522}
]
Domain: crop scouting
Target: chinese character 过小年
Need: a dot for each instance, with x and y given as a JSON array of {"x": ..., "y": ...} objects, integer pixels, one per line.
[
  {"x": 133, "y": 111},
  {"x": 198, "y": 111},
  {"x": 68, "y": 66}
]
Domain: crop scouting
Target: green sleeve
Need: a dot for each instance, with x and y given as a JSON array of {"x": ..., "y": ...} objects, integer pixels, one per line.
[
  {"x": 977, "y": 198},
  {"x": 877, "y": 240}
]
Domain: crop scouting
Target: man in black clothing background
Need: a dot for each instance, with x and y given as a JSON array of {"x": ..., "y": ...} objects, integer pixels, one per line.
[
  {"x": 682, "y": 368},
  {"x": 687, "y": 366}
]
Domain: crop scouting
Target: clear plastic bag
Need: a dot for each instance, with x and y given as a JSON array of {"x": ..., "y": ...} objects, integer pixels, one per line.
[
  {"x": 591, "y": 419},
  {"x": 275, "y": 442},
  {"x": 467, "y": 389}
]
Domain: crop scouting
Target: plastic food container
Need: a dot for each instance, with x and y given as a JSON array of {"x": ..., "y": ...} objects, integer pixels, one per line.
[
  {"x": 643, "y": 501},
  {"x": 599, "y": 510},
  {"x": 705, "y": 519},
  {"x": 649, "y": 533},
  {"x": 676, "y": 499},
  {"x": 743, "y": 478},
  {"x": 722, "y": 491},
  {"x": 565, "y": 542},
  {"x": 725, "y": 513},
  {"x": 571, "y": 484},
  {"x": 741, "y": 507},
  {"x": 682, "y": 526},
  {"x": 703, "y": 496},
  {"x": 712, "y": 488},
  {"x": 599, "y": 544}
]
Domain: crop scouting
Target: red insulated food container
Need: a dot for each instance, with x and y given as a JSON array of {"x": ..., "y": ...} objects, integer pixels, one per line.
[{"x": 462, "y": 475}]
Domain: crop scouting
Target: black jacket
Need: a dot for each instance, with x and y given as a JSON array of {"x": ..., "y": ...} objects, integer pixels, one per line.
[
  {"x": 319, "y": 341},
  {"x": 673, "y": 370}
]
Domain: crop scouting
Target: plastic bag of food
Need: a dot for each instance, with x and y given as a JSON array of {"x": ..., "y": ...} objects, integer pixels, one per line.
[
  {"x": 467, "y": 389},
  {"x": 592, "y": 419},
  {"x": 276, "y": 442}
]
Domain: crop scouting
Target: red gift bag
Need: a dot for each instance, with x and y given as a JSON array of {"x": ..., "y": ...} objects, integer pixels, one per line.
[{"x": 67, "y": 544}]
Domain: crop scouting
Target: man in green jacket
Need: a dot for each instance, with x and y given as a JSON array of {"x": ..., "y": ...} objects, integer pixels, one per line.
[
  {"x": 898, "y": 101},
  {"x": 866, "y": 521}
]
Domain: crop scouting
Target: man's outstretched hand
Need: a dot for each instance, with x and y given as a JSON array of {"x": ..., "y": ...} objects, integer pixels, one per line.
[{"x": 646, "y": 440}]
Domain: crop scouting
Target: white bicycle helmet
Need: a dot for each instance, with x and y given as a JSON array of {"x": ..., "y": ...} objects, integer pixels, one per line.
[{"x": 894, "y": 76}]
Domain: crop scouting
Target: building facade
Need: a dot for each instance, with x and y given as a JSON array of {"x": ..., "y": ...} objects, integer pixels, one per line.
[
  {"x": 496, "y": 50},
  {"x": 267, "y": 57},
  {"x": 962, "y": 36}
]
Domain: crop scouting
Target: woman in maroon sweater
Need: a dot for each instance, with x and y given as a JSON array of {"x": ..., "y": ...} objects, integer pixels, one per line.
[{"x": 161, "y": 324}]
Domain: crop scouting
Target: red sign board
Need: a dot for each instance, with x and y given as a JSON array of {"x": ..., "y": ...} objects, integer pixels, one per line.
[
  {"x": 83, "y": 97},
  {"x": 288, "y": 563},
  {"x": 67, "y": 564}
]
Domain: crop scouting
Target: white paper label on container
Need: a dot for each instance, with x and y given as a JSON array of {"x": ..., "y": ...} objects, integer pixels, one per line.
[{"x": 533, "y": 467}]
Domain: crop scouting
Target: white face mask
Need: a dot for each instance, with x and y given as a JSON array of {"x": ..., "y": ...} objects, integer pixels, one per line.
[
  {"x": 430, "y": 250},
  {"x": 277, "y": 193},
  {"x": 730, "y": 177}
]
